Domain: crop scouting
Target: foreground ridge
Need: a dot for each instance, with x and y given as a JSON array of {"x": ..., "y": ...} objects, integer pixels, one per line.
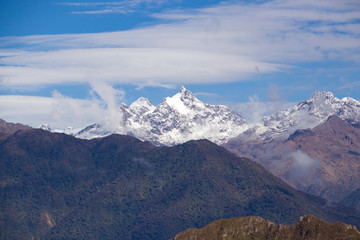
[{"x": 253, "y": 227}]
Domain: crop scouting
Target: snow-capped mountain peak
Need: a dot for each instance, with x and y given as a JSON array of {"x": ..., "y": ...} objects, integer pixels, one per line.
[
  {"x": 322, "y": 95},
  {"x": 323, "y": 101},
  {"x": 69, "y": 130},
  {"x": 187, "y": 96},
  {"x": 183, "y": 117},
  {"x": 183, "y": 102},
  {"x": 307, "y": 114},
  {"x": 175, "y": 120},
  {"x": 142, "y": 106},
  {"x": 47, "y": 127}
]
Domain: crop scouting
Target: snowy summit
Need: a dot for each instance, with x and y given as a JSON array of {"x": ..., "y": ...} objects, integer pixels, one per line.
[
  {"x": 183, "y": 117},
  {"x": 307, "y": 114},
  {"x": 175, "y": 120}
]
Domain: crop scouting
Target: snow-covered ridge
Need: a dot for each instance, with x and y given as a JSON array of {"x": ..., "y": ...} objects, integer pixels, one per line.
[
  {"x": 175, "y": 120},
  {"x": 68, "y": 130},
  {"x": 183, "y": 117},
  {"x": 307, "y": 114}
]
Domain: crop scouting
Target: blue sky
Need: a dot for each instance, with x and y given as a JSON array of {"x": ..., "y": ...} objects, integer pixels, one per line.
[{"x": 68, "y": 62}]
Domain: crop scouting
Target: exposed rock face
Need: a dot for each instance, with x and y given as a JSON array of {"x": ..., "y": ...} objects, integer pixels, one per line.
[
  {"x": 253, "y": 228},
  {"x": 324, "y": 161}
]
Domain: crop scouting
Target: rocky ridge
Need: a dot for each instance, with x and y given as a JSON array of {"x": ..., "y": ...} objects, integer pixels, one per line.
[
  {"x": 307, "y": 114},
  {"x": 253, "y": 228}
]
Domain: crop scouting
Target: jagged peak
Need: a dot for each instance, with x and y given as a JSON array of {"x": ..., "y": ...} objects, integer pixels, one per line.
[
  {"x": 184, "y": 97},
  {"x": 46, "y": 126},
  {"x": 186, "y": 94},
  {"x": 183, "y": 89},
  {"x": 142, "y": 102},
  {"x": 322, "y": 95},
  {"x": 142, "y": 106},
  {"x": 322, "y": 100}
]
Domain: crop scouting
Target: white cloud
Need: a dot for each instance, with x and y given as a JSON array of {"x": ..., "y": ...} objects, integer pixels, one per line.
[
  {"x": 225, "y": 43},
  {"x": 254, "y": 110},
  {"x": 112, "y": 98},
  {"x": 144, "y": 66},
  {"x": 303, "y": 166},
  {"x": 350, "y": 85},
  {"x": 61, "y": 111}
]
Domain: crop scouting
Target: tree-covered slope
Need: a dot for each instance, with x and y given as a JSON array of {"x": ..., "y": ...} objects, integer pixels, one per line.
[{"x": 54, "y": 186}]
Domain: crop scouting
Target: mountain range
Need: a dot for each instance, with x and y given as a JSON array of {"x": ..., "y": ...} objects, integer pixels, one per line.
[
  {"x": 175, "y": 120},
  {"x": 56, "y": 186},
  {"x": 304, "y": 145},
  {"x": 183, "y": 117},
  {"x": 307, "y": 114},
  {"x": 314, "y": 146}
]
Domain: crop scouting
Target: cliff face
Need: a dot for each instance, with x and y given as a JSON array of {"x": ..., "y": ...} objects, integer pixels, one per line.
[{"x": 253, "y": 228}]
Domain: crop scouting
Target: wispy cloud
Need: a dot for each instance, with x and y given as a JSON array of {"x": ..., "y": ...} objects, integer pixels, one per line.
[
  {"x": 138, "y": 66},
  {"x": 350, "y": 85},
  {"x": 112, "y": 7},
  {"x": 219, "y": 44},
  {"x": 254, "y": 110},
  {"x": 61, "y": 111}
]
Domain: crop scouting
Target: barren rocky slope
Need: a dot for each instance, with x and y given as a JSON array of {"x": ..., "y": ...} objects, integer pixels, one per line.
[{"x": 257, "y": 228}]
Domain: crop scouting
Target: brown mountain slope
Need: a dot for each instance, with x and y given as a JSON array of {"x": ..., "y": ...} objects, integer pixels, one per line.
[
  {"x": 324, "y": 161},
  {"x": 257, "y": 228}
]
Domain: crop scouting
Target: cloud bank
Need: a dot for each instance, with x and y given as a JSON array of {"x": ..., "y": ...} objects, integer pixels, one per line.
[{"x": 226, "y": 43}]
